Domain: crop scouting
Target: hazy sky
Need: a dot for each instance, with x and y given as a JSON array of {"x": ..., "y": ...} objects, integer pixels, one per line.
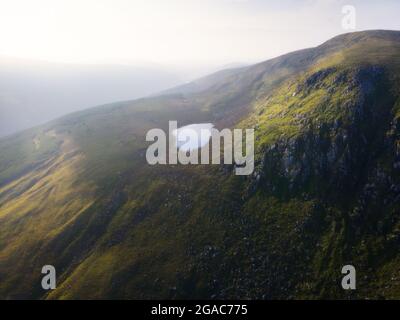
[{"x": 177, "y": 31}]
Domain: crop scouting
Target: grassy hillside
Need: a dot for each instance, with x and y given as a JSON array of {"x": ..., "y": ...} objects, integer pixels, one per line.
[{"x": 77, "y": 193}]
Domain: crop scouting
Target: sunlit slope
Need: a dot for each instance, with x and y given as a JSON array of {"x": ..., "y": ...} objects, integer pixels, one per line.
[
  {"x": 78, "y": 193},
  {"x": 36, "y": 208}
]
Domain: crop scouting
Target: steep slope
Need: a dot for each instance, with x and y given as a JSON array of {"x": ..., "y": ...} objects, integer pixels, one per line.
[{"x": 77, "y": 193}]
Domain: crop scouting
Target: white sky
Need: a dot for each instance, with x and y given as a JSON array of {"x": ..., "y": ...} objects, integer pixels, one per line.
[{"x": 177, "y": 32}]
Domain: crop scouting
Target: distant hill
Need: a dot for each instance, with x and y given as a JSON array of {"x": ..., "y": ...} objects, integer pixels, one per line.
[
  {"x": 34, "y": 92},
  {"x": 77, "y": 192}
]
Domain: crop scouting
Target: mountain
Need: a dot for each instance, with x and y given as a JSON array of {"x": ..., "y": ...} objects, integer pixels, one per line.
[
  {"x": 35, "y": 92},
  {"x": 77, "y": 193}
]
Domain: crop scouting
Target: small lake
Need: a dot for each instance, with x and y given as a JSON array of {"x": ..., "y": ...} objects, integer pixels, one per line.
[{"x": 193, "y": 136}]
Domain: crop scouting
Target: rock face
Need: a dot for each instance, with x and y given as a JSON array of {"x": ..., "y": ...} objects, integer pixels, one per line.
[
  {"x": 347, "y": 164},
  {"x": 335, "y": 154}
]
